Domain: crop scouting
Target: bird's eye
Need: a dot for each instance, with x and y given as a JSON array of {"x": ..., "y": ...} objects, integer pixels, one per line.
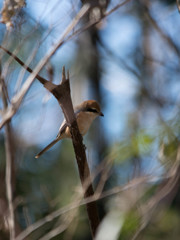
[{"x": 91, "y": 110}]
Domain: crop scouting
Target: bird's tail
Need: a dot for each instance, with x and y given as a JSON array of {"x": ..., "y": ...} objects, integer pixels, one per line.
[{"x": 48, "y": 147}]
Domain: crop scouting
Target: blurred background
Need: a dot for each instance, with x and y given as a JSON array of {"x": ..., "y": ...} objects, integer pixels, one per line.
[{"x": 130, "y": 63}]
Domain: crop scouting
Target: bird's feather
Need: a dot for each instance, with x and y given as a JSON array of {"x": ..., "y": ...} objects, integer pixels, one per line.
[{"x": 48, "y": 147}]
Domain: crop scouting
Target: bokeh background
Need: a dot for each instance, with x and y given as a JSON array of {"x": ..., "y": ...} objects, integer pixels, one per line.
[{"x": 130, "y": 63}]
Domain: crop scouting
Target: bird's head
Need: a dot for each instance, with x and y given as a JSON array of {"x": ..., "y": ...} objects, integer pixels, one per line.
[
  {"x": 90, "y": 106},
  {"x": 93, "y": 107}
]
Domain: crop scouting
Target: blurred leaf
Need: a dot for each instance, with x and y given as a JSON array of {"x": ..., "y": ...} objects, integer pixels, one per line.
[
  {"x": 164, "y": 226},
  {"x": 138, "y": 144},
  {"x": 141, "y": 143},
  {"x": 170, "y": 149},
  {"x": 131, "y": 224}
]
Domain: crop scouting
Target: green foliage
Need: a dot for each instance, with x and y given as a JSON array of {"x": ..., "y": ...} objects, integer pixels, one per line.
[
  {"x": 137, "y": 145},
  {"x": 131, "y": 224},
  {"x": 47, "y": 183},
  {"x": 163, "y": 226}
]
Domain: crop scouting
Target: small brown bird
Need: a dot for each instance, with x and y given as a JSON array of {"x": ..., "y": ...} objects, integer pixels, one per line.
[{"x": 85, "y": 114}]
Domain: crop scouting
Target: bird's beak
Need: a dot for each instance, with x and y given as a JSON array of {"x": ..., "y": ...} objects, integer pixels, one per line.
[{"x": 101, "y": 114}]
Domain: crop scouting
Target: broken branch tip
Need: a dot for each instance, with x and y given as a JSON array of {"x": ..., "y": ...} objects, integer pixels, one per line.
[{"x": 63, "y": 74}]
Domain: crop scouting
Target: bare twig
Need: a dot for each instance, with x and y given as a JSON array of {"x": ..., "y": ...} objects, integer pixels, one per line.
[
  {"x": 116, "y": 190},
  {"x": 9, "y": 165},
  {"x": 178, "y": 4},
  {"x": 167, "y": 190},
  {"x": 116, "y": 7},
  {"x": 164, "y": 35},
  {"x": 17, "y": 99},
  {"x": 66, "y": 221}
]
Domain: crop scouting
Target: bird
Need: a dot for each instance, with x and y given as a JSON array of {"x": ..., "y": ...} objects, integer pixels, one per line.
[{"x": 85, "y": 114}]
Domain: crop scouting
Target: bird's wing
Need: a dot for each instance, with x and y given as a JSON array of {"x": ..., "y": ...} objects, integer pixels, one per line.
[
  {"x": 64, "y": 123},
  {"x": 62, "y": 128},
  {"x": 47, "y": 147}
]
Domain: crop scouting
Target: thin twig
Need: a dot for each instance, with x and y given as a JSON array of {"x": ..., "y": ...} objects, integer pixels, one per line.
[
  {"x": 170, "y": 187},
  {"x": 17, "y": 99},
  {"x": 9, "y": 166},
  {"x": 66, "y": 221},
  {"x": 164, "y": 35},
  {"x": 116, "y": 7},
  {"x": 178, "y": 4},
  {"x": 116, "y": 190}
]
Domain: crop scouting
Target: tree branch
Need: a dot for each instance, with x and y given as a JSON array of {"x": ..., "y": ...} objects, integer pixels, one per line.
[
  {"x": 109, "y": 193},
  {"x": 63, "y": 95},
  {"x": 9, "y": 165},
  {"x": 17, "y": 99}
]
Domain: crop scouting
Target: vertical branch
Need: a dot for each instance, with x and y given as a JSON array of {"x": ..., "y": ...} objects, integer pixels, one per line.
[
  {"x": 63, "y": 95},
  {"x": 9, "y": 165},
  {"x": 9, "y": 192}
]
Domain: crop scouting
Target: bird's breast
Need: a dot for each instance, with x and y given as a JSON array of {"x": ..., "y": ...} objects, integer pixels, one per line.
[{"x": 84, "y": 121}]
